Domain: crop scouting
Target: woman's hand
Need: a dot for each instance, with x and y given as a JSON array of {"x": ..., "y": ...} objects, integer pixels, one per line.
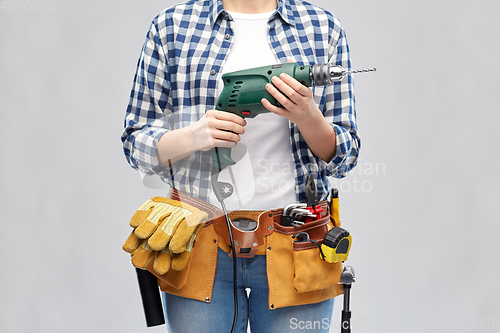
[
  {"x": 297, "y": 100},
  {"x": 214, "y": 129},
  {"x": 221, "y": 129},
  {"x": 299, "y": 107}
]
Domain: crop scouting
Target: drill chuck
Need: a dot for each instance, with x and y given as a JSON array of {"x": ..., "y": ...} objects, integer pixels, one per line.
[{"x": 326, "y": 74}]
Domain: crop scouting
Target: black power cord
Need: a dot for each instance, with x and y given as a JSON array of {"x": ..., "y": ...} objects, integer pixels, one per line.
[
  {"x": 220, "y": 197},
  {"x": 235, "y": 275}
]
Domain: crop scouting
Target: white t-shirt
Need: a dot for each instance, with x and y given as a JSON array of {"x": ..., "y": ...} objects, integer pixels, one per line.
[{"x": 264, "y": 177}]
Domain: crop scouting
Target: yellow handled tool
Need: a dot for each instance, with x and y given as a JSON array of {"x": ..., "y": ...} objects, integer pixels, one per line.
[{"x": 337, "y": 242}]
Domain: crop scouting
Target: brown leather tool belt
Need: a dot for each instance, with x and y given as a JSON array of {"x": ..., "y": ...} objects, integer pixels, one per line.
[{"x": 249, "y": 228}]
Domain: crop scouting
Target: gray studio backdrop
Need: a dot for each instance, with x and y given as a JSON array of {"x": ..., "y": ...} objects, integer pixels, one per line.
[{"x": 422, "y": 205}]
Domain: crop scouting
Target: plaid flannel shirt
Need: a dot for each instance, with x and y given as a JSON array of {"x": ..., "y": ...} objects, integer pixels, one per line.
[{"x": 176, "y": 78}]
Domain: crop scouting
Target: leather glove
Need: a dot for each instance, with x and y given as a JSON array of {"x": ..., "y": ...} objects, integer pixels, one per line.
[{"x": 164, "y": 230}]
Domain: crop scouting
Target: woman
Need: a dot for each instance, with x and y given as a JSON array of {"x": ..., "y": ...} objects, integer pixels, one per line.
[{"x": 171, "y": 125}]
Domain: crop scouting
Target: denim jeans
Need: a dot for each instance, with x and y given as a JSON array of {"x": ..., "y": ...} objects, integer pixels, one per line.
[{"x": 185, "y": 315}]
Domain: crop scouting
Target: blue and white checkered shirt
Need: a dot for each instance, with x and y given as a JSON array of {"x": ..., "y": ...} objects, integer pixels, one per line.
[{"x": 176, "y": 78}]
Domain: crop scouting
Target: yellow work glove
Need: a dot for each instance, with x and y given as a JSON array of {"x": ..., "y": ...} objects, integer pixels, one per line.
[{"x": 164, "y": 230}]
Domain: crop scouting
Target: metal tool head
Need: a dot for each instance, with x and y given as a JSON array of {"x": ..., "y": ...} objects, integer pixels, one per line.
[
  {"x": 348, "y": 276},
  {"x": 366, "y": 70},
  {"x": 289, "y": 207},
  {"x": 311, "y": 192},
  {"x": 301, "y": 237},
  {"x": 326, "y": 74},
  {"x": 300, "y": 212}
]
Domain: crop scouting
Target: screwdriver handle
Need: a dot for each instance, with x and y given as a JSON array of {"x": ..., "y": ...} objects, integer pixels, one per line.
[
  {"x": 346, "y": 322},
  {"x": 150, "y": 295}
]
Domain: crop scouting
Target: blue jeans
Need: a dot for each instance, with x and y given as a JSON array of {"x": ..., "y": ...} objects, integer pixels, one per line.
[{"x": 185, "y": 315}]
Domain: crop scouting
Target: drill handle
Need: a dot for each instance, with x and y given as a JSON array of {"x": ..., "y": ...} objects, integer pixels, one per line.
[{"x": 221, "y": 157}]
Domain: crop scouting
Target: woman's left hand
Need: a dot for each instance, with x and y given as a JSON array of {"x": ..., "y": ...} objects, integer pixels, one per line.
[
  {"x": 296, "y": 99},
  {"x": 299, "y": 107}
]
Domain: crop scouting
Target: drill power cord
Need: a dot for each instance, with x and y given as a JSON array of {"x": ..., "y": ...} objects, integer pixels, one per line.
[
  {"x": 220, "y": 198},
  {"x": 235, "y": 275}
]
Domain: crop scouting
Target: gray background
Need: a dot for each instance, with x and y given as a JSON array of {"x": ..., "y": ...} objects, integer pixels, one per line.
[{"x": 422, "y": 206}]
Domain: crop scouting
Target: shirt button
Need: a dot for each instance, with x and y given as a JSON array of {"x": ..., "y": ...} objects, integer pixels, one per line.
[
  {"x": 227, "y": 36},
  {"x": 212, "y": 72}
]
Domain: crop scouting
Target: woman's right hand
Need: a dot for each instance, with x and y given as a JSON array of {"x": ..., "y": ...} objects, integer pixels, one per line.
[
  {"x": 219, "y": 129},
  {"x": 214, "y": 129}
]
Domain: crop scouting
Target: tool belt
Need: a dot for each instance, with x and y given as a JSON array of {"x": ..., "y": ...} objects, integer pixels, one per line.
[
  {"x": 296, "y": 273},
  {"x": 249, "y": 228}
]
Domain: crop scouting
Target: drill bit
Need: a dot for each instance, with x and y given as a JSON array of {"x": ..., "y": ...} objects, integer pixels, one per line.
[{"x": 366, "y": 70}]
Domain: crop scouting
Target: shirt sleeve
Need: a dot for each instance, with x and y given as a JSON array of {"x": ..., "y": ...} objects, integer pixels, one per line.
[
  {"x": 341, "y": 112},
  {"x": 149, "y": 106}
]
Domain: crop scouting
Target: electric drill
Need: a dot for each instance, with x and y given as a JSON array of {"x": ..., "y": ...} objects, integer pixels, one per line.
[{"x": 244, "y": 90}]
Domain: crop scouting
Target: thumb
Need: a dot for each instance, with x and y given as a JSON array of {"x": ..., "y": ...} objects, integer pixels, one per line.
[{"x": 289, "y": 61}]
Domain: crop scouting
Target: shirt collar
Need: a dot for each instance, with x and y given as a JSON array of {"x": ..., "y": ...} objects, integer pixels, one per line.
[{"x": 284, "y": 10}]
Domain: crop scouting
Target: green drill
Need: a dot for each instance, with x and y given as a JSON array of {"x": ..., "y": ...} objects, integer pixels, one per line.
[{"x": 244, "y": 90}]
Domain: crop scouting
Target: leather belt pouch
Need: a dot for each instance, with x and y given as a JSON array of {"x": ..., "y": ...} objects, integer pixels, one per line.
[
  {"x": 248, "y": 228},
  {"x": 308, "y": 271},
  {"x": 203, "y": 257}
]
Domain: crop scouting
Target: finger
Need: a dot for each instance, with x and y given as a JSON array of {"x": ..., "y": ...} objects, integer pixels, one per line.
[
  {"x": 139, "y": 217},
  {"x": 225, "y": 139},
  {"x": 228, "y": 116},
  {"x": 224, "y": 144},
  {"x": 286, "y": 89},
  {"x": 141, "y": 257},
  {"x": 278, "y": 95},
  {"x": 159, "y": 238},
  {"x": 272, "y": 108},
  {"x": 224, "y": 130},
  {"x": 181, "y": 237},
  {"x": 179, "y": 261},
  {"x": 225, "y": 125},
  {"x": 295, "y": 85},
  {"x": 225, "y": 121},
  {"x": 162, "y": 262},
  {"x": 132, "y": 243}
]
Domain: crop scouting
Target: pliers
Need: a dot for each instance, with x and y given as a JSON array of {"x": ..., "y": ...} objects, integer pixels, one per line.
[{"x": 312, "y": 200}]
